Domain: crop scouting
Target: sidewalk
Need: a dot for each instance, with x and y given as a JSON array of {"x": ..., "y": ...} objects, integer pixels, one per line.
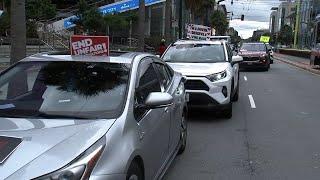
[{"x": 299, "y": 62}]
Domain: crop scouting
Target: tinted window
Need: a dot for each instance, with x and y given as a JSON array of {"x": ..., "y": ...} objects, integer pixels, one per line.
[
  {"x": 63, "y": 89},
  {"x": 253, "y": 47},
  {"x": 165, "y": 76},
  {"x": 195, "y": 53},
  {"x": 148, "y": 82}
]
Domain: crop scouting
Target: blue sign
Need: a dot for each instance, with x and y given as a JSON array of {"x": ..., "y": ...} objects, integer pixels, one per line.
[{"x": 117, "y": 7}]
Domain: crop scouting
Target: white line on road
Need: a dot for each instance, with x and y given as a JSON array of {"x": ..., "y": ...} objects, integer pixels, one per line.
[
  {"x": 245, "y": 78},
  {"x": 253, "y": 105}
]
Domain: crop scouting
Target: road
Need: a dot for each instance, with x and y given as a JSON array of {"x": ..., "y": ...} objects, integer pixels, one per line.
[{"x": 279, "y": 139}]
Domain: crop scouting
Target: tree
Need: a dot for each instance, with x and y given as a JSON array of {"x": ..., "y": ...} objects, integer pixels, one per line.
[
  {"x": 142, "y": 14},
  {"x": 286, "y": 35},
  {"x": 219, "y": 22},
  {"x": 193, "y": 6},
  {"x": 18, "y": 31},
  {"x": 4, "y": 24},
  {"x": 40, "y": 10},
  {"x": 199, "y": 8},
  {"x": 168, "y": 21}
]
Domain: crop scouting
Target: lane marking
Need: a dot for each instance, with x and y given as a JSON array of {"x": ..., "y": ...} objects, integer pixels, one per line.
[
  {"x": 245, "y": 78},
  {"x": 253, "y": 105}
]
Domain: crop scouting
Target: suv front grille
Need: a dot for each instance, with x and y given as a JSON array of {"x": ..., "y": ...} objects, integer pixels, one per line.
[
  {"x": 251, "y": 59},
  {"x": 196, "y": 85}
]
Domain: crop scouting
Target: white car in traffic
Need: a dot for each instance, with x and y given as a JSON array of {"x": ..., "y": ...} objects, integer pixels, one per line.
[{"x": 212, "y": 72}]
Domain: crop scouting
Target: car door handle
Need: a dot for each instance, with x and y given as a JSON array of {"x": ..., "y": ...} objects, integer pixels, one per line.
[{"x": 141, "y": 135}]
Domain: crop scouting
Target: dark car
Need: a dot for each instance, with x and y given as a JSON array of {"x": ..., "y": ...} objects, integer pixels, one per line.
[{"x": 255, "y": 55}]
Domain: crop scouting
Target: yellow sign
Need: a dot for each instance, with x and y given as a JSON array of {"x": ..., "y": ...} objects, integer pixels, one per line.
[{"x": 265, "y": 39}]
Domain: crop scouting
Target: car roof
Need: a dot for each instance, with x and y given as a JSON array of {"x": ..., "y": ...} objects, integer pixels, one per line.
[
  {"x": 126, "y": 58},
  {"x": 197, "y": 42}
]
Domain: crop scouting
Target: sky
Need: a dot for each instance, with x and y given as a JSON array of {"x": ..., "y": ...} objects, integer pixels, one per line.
[{"x": 256, "y": 15}]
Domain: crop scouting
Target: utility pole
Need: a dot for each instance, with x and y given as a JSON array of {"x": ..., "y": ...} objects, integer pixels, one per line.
[{"x": 296, "y": 29}]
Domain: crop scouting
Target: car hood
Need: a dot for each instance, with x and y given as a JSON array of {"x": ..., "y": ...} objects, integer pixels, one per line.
[
  {"x": 199, "y": 69},
  {"x": 252, "y": 53},
  {"x": 47, "y": 144}
]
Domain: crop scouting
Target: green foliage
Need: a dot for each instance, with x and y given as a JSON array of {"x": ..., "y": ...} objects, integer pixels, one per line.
[
  {"x": 93, "y": 21},
  {"x": 4, "y": 23},
  {"x": 40, "y": 10},
  {"x": 286, "y": 35},
  {"x": 219, "y": 22}
]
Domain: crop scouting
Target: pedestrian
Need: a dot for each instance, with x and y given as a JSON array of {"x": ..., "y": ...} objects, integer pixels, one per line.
[{"x": 162, "y": 47}]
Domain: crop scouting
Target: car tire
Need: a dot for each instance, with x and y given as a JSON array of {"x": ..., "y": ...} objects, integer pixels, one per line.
[
  {"x": 235, "y": 97},
  {"x": 183, "y": 133},
  {"x": 135, "y": 172},
  {"x": 227, "y": 112}
]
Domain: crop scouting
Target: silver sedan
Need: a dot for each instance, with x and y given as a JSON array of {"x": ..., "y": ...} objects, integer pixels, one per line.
[{"x": 110, "y": 118}]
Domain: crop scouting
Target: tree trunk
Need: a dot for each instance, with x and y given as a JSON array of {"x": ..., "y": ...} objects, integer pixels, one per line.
[
  {"x": 18, "y": 31},
  {"x": 168, "y": 21},
  {"x": 142, "y": 14}
]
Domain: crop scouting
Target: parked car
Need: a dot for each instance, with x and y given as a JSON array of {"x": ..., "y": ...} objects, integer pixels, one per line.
[
  {"x": 212, "y": 72},
  {"x": 255, "y": 55},
  {"x": 85, "y": 117},
  {"x": 270, "y": 52}
]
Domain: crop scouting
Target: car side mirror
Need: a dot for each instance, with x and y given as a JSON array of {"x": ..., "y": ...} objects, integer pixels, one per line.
[
  {"x": 158, "y": 100},
  {"x": 236, "y": 59}
]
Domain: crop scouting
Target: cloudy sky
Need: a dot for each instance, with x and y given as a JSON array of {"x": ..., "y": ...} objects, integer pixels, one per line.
[{"x": 256, "y": 15}]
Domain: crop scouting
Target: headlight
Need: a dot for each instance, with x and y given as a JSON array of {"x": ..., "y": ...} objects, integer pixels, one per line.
[
  {"x": 217, "y": 76},
  {"x": 81, "y": 167}
]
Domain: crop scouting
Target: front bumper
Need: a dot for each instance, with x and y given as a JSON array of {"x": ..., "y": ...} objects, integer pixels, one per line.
[
  {"x": 249, "y": 64},
  {"x": 204, "y": 93}
]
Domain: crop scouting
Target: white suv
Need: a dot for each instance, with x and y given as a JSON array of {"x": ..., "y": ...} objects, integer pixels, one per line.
[{"x": 212, "y": 72}]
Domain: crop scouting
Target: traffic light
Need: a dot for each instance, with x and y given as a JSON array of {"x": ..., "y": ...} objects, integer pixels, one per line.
[{"x": 242, "y": 17}]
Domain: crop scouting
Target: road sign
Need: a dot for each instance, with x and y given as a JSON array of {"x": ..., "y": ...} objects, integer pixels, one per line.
[
  {"x": 90, "y": 45},
  {"x": 198, "y": 32},
  {"x": 265, "y": 39}
]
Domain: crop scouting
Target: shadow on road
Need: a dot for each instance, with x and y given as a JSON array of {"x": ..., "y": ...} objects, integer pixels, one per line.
[{"x": 205, "y": 115}]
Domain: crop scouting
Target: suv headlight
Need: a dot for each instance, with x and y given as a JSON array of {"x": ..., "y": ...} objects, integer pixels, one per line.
[
  {"x": 217, "y": 76},
  {"x": 81, "y": 167}
]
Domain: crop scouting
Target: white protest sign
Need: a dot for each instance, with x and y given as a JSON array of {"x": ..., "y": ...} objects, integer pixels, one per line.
[{"x": 198, "y": 32}]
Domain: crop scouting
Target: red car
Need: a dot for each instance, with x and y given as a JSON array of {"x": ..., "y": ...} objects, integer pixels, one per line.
[{"x": 255, "y": 55}]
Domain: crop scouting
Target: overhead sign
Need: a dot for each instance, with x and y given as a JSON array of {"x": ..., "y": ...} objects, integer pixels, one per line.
[
  {"x": 198, "y": 32},
  {"x": 89, "y": 45},
  {"x": 117, "y": 7},
  {"x": 265, "y": 39}
]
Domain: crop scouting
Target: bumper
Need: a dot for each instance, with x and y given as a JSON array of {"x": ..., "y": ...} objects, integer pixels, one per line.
[
  {"x": 205, "y": 93},
  {"x": 248, "y": 64}
]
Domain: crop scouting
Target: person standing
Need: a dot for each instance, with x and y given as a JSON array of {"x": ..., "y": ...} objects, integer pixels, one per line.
[{"x": 162, "y": 47}]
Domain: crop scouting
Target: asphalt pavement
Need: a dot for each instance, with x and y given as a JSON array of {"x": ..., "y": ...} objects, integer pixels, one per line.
[{"x": 274, "y": 133}]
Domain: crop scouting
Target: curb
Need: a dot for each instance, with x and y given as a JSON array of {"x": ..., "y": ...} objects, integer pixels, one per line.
[{"x": 299, "y": 65}]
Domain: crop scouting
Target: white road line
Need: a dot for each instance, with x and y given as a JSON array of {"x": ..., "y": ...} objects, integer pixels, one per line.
[
  {"x": 253, "y": 105},
  {"x": 245, "y": 78}
]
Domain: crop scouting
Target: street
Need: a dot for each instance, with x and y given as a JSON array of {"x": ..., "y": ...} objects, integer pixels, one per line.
[{"x": 279, "y": 139}]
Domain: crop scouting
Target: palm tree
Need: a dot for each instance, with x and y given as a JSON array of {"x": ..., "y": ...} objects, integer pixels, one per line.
[
  {"x": 142, "y": 10},
  {"x": 18, "y": 31},
  {"x": 168, "y": 21}
]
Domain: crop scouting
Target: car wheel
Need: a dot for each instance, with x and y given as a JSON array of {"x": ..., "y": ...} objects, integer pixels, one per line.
[
  {"x": 227, "y": 113},
  {"x": 135, "y": 172},
  {"x": 183, "y": 134}
]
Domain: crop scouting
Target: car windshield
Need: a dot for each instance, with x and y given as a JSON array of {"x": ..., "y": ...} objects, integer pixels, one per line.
[
  {"x": 80, "y": 90},
  {"x": 253, "y": 47},
  {"x": 195, "y": 53}
]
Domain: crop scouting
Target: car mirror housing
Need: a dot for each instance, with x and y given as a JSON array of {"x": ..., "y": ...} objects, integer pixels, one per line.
[
  {"x": 158, "y": 100},
  {"x": 236, "y": 59}
]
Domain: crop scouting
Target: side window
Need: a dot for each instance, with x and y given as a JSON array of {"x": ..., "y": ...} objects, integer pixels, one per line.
[
  {"x": 165, "y": 76},
  {"x": 229, "y": 51},
  {"x": 147, "y": 82}
]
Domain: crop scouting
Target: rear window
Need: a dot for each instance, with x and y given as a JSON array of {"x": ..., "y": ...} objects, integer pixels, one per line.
[{"x": 195, "y": 53}]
